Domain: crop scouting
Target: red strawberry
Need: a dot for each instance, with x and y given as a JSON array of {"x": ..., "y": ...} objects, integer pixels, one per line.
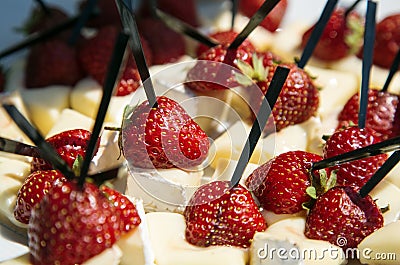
[
  {"x": 280, "y": 184},
  {"x": 206, "y": 75},
  {"x": 358, "y": 172},
  {"x": 72, "y": 224},
  {"x": 108, "y": 14},
  {"x": 382, "y": 114},
  {"x": 224, "y": 38},
  {"x": 166, "y": 45},
  {"x": 52, "y": 62},
  {"x": 39, "y": 20},
  {"x": 387, "y": 41},
  {"x": 129, "y": 215},
  {"x": 272, "y": 20},
  {"x": 343, "y": 218},
  {"x": 297, "y": 102},
  {"x": 221, "y": 215},
  {"x": 35, "y": 186},
  {"x": 163, "y": 137},
  {"x": 68, "y": 144},
  {"x": 94, "y": 55},
  {"x": 340, "y": 38}
]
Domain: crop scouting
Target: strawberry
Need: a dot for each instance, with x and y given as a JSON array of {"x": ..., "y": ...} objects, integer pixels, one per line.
[
  {"x": 206, "y": 75},
  {"x": 35, "y": 186},
  {"x": 166, "y": 45},
  {"x": 298, "y": 100},
  {"x": 382, "y": 115},
  {"x": 272, "y": 20},
  {"x": 68, "y": 144},
  {"x": 52, "y": 62},
  {"x": 355, "y": 173},
  {"x": 221, "y": 215},
  {"x": 163, "y": 137},
  {"x": 108, "y": 14},
  {"x": 38, "y": 20},
  {"x": 129, "y": 215},
  {"x": 343, "y": 218},
  {"x": 224, "y": 38},
  {"x": 280, "y": 184},
  {"x": 71, "y": 224},
  {"x": 341, "y": 37},
  {"x": 387, "y": 41},
  {"x": 94, "y": 55}
]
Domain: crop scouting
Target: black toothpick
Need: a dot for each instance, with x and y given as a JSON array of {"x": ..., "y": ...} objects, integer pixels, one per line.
[
  {"x": 263, "y": 114},
  {"x": 351, "y": 8},
  {"x": 234, "y": 10},
  {"x": 255, "y": 20},
  {"x": 389, "y": 164},
  {"x": 393, "y": 69},
  {"x": 47, "y": 152},
  {"x": 317, "y": 32},
  {"x": 81, "y": 22},
  {"x": 109, "y": 84},
  {"x": 129, "y": 23},
  {"x": 368, "y": 52}
]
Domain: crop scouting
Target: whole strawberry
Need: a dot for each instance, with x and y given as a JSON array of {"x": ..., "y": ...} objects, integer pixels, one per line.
[
  {"x": 341, "y": 37},
  {"x": 355, "y": 173},
  {"x": 72, "y": 224},
  {"x": 68, "y": 144},
  {"x": 95, "y": 53},
  {"x": 297, "y": 102},
  {"x": 343, "y": 218},
  {"x": 224, "y": 38},
  {"x": 35, "y": 186},
  {"x": 128, "y": 213},
  {"x": 387, "y": 41},
  {"x": 166, "y": 45},
  {"x": 382, "y": 115},
  {"x": 280, "y": 184},
  {"x": 216, "y": 68},
  {"x": 272, "y": 20},
  {"x": 221, "y": 215},
  {"x": 163, "y": 137},
  {"x": 52, "y": 62}
]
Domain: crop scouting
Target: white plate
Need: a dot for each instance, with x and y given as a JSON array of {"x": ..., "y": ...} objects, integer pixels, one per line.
[{"x": 13, "y": 13}]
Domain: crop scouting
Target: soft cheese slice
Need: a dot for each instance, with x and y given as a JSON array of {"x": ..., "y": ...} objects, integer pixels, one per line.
[
  {"x": 163, "y": 189},
  {"x": 167, "y": 235},
  {"x": 69, "y": 120},
  {"x": 284, "y": 242},
  {"x": 225, "y": 169},
  {"x": 393, "y": 175},
  {"x": 12, "y": 175},
  {"x": 136, "y": 246},
  {"x": 381, "y": 247},
  {"x": 86, "y": 97},
  {"x": 45, "y": 105}
]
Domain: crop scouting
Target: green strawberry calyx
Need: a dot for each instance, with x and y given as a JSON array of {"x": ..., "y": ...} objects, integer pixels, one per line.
[{"x": 256, "y": 72}]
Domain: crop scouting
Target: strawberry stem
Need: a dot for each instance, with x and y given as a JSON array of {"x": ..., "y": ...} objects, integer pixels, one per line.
[
  {"x": 317, "y": 32},
  {"x": 255, "y": 20},
  {"x": 268, "y": 103},
  {"x": 393, "y": 69},
  {"x": 109, "y": 84},
  {"x": 390, "y": 163},
  {"x": 47, "y": 152},
  {"x": 369, "y": 39}
]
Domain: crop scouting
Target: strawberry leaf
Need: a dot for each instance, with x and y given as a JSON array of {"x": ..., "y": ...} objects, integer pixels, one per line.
[
  {"x": 76, "y": 167},
  {"x": 312, "y": 192},
  {"x": 243, "y": 79}
]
